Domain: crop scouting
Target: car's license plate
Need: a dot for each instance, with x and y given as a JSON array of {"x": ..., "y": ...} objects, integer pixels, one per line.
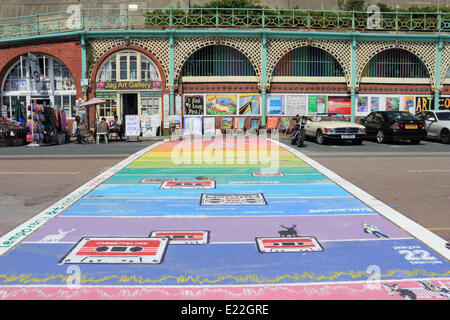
[
  {"x": 348, "y": 136},
  {"x": 410, "y": 126}
]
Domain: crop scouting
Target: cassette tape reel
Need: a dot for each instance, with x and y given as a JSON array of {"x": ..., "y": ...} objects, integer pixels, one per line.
[
  {"x": 117, "y": 251},
  {"x": 183, "y": 237},
  {"x": 233, "y": 199},
  {"x": 294, "y": 244}
]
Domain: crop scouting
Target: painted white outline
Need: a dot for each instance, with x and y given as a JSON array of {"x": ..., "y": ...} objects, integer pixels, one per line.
[
  {"x": 417, "y": 231},
  {"x": 21, "y": 232}
]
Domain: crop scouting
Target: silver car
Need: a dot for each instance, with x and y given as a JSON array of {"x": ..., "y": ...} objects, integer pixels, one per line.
[{"x": 438, "y": 124}]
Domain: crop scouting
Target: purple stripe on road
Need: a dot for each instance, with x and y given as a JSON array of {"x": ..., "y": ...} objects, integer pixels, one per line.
[{"x": 222, "y": 229}]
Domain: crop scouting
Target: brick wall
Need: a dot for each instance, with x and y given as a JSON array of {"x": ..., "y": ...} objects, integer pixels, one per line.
[{"x": 66, "y": 51}]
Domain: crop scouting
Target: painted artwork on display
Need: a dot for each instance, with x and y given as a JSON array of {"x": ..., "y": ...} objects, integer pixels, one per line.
[
  {"x": 238, "y": 123},
  {"x": 363, "y": 104},
  {"x": 375, "y": 103},
  {"x": 272, "y": 123},
  {"x": 317, "y": 104},
  {"x": 392, "y": 103},
  {"x": 226, "y": 123},
  {"x": 193, "y": 105},
  {"x": 209, "y": 126},
  {"x": 254, "y": 123},
  {"x": 424, "y": 103},
  {"x": 249, "y": 104},
  {"x": 276, "y": 104},
  {"x": 409, "y": 104},
  {"x": 284, "y": 123},
  {"x": 221, "y": 105},
  {"x": 340, "y": 104}
]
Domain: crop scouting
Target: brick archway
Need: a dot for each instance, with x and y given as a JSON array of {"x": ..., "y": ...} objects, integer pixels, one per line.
[{"x": 67, "y": 53}]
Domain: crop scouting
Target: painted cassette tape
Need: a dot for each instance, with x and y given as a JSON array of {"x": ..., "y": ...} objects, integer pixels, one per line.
[
  {"x": 183, "y": 237},
  {"x": 195, "y": 184},
  {"x": 117, "y": 251},
  {"x": 268, "y": 174},
  {"x": 233, "y": 199},
  {"x": 156, "y": 180},
  {"x": 294, "y": 244}
]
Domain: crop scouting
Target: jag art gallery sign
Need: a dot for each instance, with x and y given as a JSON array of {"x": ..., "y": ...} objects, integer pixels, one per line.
[{"x": 128, "y": 85}]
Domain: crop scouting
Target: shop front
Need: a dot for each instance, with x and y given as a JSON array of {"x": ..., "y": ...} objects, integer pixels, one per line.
[{"x": 131, "y": 85}]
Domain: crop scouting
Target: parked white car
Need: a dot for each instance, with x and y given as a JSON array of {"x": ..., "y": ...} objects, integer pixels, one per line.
[
  {"x": 438, "y": 124},
  {"x": 334, "y": 126}
]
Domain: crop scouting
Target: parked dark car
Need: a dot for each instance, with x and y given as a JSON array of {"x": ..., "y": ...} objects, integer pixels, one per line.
[{"x": 384, "y": 126}]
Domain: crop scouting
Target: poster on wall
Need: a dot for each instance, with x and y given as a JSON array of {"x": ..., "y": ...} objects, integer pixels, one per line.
[
  {"x": 424, "y": 103},
  {"x": 249, "y": 104},
  {"x": 392, "y": 103},
  {"x": 132, "y": 125},
  {"x": 296, "y": 105},
  {"x": 276, "y": 104},
  {"x": 217, "y": 105},
  {"x": 317, "y": 104},
  {"x": 374, "y": 103},
  {"x": 340, "y": 104},
  {"x": 192, "y": 125},
  {"x": 193, "y": 105},
  {"x": 409, "y": 105},
  {"x": 178, "y": 104},
  {"x": 444, "y": 103},
  {"x": 363, "y": 104},
  {"x": 209, "y": 126}
]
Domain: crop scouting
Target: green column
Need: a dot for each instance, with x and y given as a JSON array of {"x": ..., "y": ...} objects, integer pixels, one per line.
[
  {"x": 83, "y": 57},
  {"x": 353, "y": 86},
  {"x": 171, "y": 74},
  {"x": 264, "y": 81},
  {"x": 438, "y": 74}
]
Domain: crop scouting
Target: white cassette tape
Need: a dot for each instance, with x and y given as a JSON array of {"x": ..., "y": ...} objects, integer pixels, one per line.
[
  {"x": 183, "y": 237},
  {"x": 117, "y": 251},
  {"x": 294, "y": 244},
  {"x": 232, "y": 199}
]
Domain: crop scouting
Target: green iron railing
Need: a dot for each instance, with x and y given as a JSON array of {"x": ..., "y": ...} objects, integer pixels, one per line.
[{"x": 124, "y": 19}]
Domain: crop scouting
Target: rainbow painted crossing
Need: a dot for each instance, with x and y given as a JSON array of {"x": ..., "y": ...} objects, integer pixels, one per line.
[{"x": 300, "y": 204}]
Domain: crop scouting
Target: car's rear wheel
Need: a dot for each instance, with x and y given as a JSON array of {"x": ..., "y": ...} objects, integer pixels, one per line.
[
  {"x": 445, "y": 136},
  {"x": 381, "y": 138},
  {"x": 320, "y": 139}
]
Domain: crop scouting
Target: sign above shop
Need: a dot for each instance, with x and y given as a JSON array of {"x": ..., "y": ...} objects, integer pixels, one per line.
[{"x": 128, "y": 85}]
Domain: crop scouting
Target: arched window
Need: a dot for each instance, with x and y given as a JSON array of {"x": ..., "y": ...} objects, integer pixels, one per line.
[
  {"x": 395, "y": 63},
  {"x": 57, "y": 84},
  {"x": 308, "y": 62},
  {"x": 128, "y": 66},
  {"x": 219, "y": 61}
]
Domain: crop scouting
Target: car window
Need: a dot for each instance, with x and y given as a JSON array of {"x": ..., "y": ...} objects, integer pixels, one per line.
[
  {"x": 429, "y": 116},
  {"x": 379, "y": 118},
  {"x": 401, "y": 115},
  {"x": 369, "y": 118},
  {"x": 421, "y": 115},
  {"x": 443, "y": 116}
]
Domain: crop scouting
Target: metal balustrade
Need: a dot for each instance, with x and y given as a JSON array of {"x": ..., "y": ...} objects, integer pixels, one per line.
[{"x": 172, "y": 18}]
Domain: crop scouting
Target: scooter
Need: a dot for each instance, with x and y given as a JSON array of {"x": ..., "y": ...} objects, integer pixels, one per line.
[{"x": 298, "y": 133}]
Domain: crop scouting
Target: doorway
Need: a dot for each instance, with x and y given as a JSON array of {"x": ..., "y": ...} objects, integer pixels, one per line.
[{"x": 129, "y": 104}]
